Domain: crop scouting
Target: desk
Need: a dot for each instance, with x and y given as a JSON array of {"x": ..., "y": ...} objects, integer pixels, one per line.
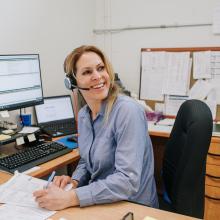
[
  {"x": 212, "y": 184},
  {"x": 107, "y": 212},
  {"x": 113, "y": 211}
]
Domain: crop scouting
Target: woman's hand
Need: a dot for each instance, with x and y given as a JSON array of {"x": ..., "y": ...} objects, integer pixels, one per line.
[
  {"x": 62, "y": 181},
  {"x": 55, "y": 198}
]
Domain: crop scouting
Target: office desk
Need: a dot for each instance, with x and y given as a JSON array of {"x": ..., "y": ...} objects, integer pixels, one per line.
[
  {"x": 113, "y": 211},
  {"x": 212, "y": 184},
  {"x": 116, "y": 211}
]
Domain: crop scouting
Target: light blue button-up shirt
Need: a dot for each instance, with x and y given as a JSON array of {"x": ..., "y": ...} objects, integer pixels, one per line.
[{"x": 116, "y": 157}]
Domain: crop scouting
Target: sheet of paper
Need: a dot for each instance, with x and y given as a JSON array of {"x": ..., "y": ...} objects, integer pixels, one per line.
[
  {"x": 152, "y": 75},
  {"x": 159, "y": 128},
  {"x": 200, "y": 89},
  {"x": 215, "y": 63},
  {"x": 4, "y": 114},
  {"x": 177, "y": 77},
  {"x": 28, "y": 130},
  {"x": 202, "y": 65},
  {"x": 19, "y": 190},
  {"x": 213, "y": 107},
  {"x": 173, "y": 103},
  {"x": 166, "y": 122},
  {"x": 11, "y": 212},
  {"x": 215, "y": 81}
]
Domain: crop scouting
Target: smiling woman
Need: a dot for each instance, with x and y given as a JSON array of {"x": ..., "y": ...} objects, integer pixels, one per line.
[{"x": 113, "y": 166}]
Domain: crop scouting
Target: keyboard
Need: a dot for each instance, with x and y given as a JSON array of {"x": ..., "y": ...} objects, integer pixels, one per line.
[
  {"x": 32, "y": 156},
  {"x": 59, "y": 129}
]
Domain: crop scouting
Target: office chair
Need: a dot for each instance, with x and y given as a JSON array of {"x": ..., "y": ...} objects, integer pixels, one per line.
[{"x": 184, "y": 162}]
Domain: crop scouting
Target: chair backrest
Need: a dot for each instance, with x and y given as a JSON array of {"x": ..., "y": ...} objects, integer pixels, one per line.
[{"x": 184, "y": 162}]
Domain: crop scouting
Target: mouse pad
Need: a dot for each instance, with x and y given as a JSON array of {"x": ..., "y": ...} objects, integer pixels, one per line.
[{"x": 69, "y": 144}]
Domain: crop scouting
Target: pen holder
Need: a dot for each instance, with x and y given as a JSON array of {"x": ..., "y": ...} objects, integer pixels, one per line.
[{"x": 26, "y": 119}]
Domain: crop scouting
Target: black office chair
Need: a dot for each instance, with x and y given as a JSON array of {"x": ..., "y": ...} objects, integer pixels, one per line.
[{"x": 184, "y": 162}]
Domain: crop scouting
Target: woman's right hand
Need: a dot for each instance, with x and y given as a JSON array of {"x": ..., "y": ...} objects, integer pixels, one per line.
[{"x": 62, "y": 181}]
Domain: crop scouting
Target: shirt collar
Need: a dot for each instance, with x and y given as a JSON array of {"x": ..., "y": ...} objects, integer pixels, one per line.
[{"x": 86, "y": 109}]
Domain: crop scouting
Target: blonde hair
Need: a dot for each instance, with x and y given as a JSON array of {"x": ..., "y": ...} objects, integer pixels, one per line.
[{"x": 70, "y": 69}]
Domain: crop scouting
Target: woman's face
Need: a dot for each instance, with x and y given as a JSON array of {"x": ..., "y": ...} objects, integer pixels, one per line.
[{"x": 91, "y": 73}]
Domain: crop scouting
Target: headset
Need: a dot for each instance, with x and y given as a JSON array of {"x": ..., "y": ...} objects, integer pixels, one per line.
[{"x": 70, "y": 83}]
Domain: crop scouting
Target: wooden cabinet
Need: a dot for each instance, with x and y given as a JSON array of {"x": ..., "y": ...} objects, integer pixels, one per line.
[{"x": 212, "y": 187}]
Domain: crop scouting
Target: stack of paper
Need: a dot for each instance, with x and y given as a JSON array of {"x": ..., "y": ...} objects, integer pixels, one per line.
[{"x": 17, "y": 194}]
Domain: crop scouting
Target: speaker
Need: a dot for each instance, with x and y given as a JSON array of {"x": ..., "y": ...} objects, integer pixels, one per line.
[{"x": 70, "y": 82}]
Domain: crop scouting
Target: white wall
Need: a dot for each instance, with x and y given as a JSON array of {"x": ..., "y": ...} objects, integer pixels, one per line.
[
  {"x": 51, "y": 28},
  {"x": 124, "y": 47}
]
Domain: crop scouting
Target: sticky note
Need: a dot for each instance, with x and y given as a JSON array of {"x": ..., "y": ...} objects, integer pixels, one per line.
[
  {"x": 19, "y": 141},
  {"x": 31, "y": 137}
]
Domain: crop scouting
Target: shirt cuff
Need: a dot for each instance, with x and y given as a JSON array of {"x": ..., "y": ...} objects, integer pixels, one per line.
[
  {"x": 77, "y": 176},
  {"x": 85, "y": 196}
]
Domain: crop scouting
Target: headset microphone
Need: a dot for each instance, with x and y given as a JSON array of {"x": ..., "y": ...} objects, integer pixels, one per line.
[{"x": 70, "y": 83}]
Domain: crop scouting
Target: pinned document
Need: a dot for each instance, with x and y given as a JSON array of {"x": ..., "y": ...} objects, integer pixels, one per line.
[{"x": 200, "y": 89}]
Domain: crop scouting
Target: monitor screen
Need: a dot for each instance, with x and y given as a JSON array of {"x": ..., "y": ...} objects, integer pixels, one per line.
[
  {"x": 20, "y": 81},
  {"x": 55, "y": 108}
]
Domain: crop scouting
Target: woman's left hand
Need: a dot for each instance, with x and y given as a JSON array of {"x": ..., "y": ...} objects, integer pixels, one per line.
[{"x": 55, "y": 198}]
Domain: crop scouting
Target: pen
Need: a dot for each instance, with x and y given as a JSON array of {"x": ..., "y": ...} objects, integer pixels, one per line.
[{"x": 50, "y": 179}]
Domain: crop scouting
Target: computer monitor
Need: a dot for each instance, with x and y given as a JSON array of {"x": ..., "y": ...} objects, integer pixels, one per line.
[{"x": 20, "y": 81}]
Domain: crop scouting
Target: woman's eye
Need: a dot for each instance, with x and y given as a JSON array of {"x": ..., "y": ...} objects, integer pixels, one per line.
[
  {"x": 101, "y": 68},
  {"x": 86, "y": 72}
]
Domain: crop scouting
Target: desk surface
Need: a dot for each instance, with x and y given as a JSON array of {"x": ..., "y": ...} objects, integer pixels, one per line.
[
  {"x": 116, "y": 211},
  {"x": 113, "y": 211},
  {"x": 164, "y": 131},
  {"x": 54, "y": 164}
]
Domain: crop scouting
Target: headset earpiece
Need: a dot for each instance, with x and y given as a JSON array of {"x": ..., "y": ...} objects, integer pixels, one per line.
[{"x": 70, "y": 82}]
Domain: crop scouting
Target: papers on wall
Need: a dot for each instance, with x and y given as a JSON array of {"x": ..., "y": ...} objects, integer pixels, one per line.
[
  {"x": 215, "y": 81},
  {"x": 213, "y": 107},
  {"x": 173, "y": 103},
  {"x": 216, "y": 20},
  {"x": 168, "y": 73},
  {"x": 215, "y": 63},
  {"x": 202, "y": 65},
  {"x": 200, "y": 89},
  {"x": 152, "y": 75},
  {"x": 177, "y": 74}
]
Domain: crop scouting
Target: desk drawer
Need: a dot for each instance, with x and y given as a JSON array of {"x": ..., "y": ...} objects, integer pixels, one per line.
[
  {"x": 212, "y": 202},
  {"x": 212, "y": 193},
  {"x": 213, "y": 156},
  {"x": 215, "y": 146},
  {"x": 212, "y": 175}
]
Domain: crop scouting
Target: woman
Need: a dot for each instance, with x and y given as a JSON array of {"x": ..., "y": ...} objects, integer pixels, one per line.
[{"x": 116, "y": 152}]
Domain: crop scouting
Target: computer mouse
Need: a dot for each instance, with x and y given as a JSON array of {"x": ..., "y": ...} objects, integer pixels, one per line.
[{"x": 72, "y": 138}]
